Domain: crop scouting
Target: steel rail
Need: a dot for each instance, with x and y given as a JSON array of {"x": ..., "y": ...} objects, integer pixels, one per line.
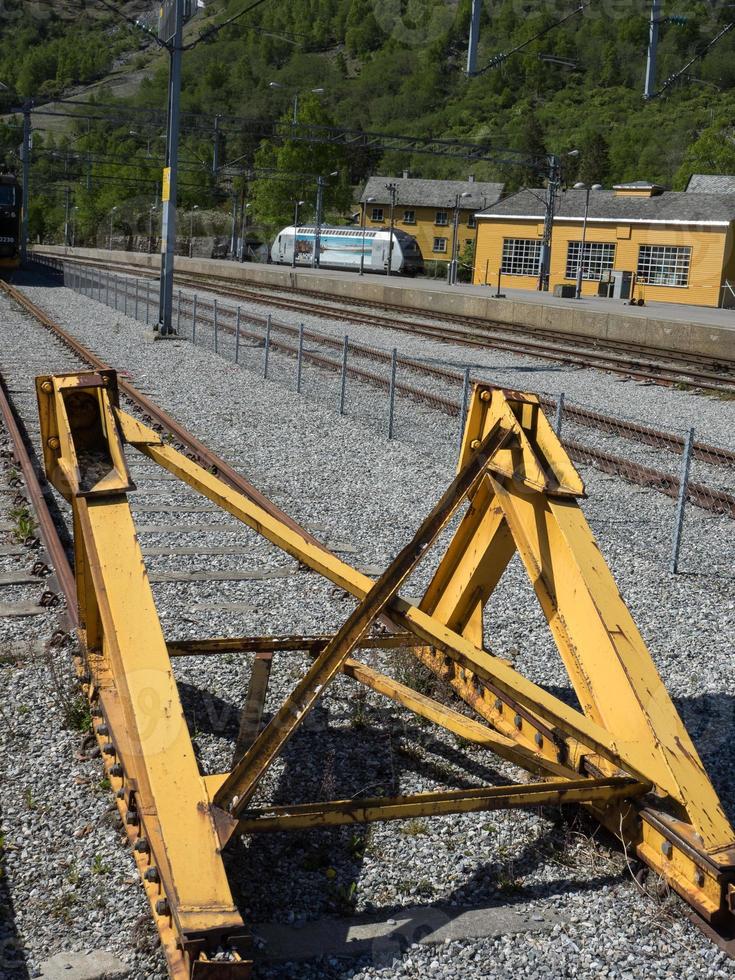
[
  {"x": 700, "y": 494},
  {"x": 205, "y": 456},
  {"x": 579, "y": 353},
  {"x": 634, "y": 431},
  {"x": 50, "y": 537},
  {"x": 547, "y": 344}
]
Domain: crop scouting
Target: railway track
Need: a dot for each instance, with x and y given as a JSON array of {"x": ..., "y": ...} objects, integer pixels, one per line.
[
  {"x": 283, "y": 338},
  {"x": 634, "y": 361},
  {"x": 69, "y": 346}
]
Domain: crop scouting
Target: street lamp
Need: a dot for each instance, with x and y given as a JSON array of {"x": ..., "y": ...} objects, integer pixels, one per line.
[
  {"x": 191, "y": 229},
  {"x": 153, "y": 207},
  {"x": 243, "y": 228},
  {"x": 321, "y": 183},
  {"x": 392, "y": 190},
  {"x": 316, "y": 91},
  {"x": 112, "y": 216},
  {"x": 368, "y": 200},
  {"x": 579, "y": 186},
  {"x": 455, "y": 243},
  {"x": 74, "y": 224},
  {"x": 296, "y": 206}
]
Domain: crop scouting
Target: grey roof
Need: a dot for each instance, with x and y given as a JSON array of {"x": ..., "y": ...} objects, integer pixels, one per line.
[
  {"x": 670, "y": 207},
  {"x": 711, "y": 184},
  {"x": 432, "y": 193}
]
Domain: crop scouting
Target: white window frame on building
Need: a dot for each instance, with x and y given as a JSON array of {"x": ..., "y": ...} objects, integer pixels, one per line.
[
  {"x": 442, "y": 218},
  {"x": 440, "y": 245},
  {"x": 409, "y": 217},
  {"x": 598, "y": 259},
  {"x": 521, "y": 256},
  {"x": 377, "y": 214},
  {"x": 664, "y": 265},
  {"x": 471, "y": 221}
]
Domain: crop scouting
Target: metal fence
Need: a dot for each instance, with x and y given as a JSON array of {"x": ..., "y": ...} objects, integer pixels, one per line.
[{"x": 410, "y": 398}]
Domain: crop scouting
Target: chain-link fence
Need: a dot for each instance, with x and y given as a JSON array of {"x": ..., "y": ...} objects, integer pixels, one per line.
[{"x": 410, "y": 399}]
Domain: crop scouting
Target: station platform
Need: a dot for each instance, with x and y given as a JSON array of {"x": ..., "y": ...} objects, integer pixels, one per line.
[{"x": 683, "y": 329}]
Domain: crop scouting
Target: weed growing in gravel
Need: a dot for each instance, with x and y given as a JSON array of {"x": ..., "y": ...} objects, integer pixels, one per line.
[
  {"x": 99, "y": 867},
  {"x": 61, "y": 907},
  {"x": 29, "y": 799},
  {"x": 23, "y": 709},
  {"x": 25, "y": 523},
  {"x": 73, "y": 876},
  {"x": 344, "y": 898},
  {"x": 77, "y": 716},
  {"x": 412, "y": 673},
  {"x": 104, "y": 784},
  {"x": 414, "y": 828}
]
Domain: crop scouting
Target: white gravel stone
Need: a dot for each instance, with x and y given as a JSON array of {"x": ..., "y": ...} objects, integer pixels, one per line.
[{"x": 342, "y": 479}]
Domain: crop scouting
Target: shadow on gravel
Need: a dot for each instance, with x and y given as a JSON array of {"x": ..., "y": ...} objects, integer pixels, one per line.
[
  {"x": 13, "y": 964},
  {"x": 355, "y": 752}
]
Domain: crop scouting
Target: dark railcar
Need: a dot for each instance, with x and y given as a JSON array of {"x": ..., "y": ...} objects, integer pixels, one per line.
[{"x": 10, "y": 217}]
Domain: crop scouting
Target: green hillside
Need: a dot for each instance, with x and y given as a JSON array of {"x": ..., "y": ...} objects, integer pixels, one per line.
[{"x": 393, "y": 66}]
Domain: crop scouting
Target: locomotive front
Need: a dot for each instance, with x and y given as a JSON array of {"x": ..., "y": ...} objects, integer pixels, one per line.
[{"x": 10, "y": 215}]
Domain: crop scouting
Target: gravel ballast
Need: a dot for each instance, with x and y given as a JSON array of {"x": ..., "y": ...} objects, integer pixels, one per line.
[{"x": 346, "y": 483}]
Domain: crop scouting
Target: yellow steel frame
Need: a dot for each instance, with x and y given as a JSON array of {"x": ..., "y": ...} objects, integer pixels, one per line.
[{"x": 626, "y": 755}]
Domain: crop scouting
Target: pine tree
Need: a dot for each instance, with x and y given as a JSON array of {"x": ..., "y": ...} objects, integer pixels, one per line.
[{"x": 594, "y": 159}]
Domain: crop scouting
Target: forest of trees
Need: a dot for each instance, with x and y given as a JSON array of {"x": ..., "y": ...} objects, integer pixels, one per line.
[{"x": 395, "y": 67}]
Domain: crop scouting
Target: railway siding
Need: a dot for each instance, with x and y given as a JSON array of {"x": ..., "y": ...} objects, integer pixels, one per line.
[
  {"x": 707, "y": 338},
  {"x": 319, "y": 467}
]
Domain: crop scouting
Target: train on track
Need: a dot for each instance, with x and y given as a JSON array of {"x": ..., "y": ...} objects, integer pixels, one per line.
[
  {"x": 10, "y": 219},
  {"x": 349, "y": 248}
]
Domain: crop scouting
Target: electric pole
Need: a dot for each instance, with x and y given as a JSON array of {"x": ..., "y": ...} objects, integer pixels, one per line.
[
  {"x": 552, "y": 189},
  {"x": 474, "y": 37},
  {"x": 170, "y": 173},
  {"x": 67, "y": 192},
  {"x": 392, "y": 190},
  {"x": 25, "y": 154},
  {"x": 650, "y": 86}
]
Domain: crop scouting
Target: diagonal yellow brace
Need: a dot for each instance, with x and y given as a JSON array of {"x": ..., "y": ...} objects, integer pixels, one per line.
[
  {"x": 240, "y": 785},
  {"x": 472, "y": 566},
  {"x": 608, "y": 663},
  {"x": 583, "y": 735}
]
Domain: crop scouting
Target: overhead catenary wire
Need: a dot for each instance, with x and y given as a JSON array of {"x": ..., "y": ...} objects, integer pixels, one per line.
[
  {"x": 697, "y": 57},
  {"x": 220, "y": 27},
  {"x": 498, "y": 59}
]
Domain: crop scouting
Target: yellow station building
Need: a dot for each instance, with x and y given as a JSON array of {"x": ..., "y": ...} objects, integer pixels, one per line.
[
  {"x": 670, "y": 246},
  {"x": 425, "y": 209}
]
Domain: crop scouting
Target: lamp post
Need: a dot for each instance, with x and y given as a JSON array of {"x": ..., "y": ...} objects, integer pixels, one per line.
[
  {"x": 295, "y": 118},
  {"x": 455, "y": 236},
  {"x": 580, "y": 258},
  {"x": 321, "y": 183},
  {"x": 243, "y": 228},
  {"x": 296, "y": 206},
  {"x": 191, "y": 230},
  {"x": 154, "y": 207},
  {"x": 112, "y": 217},
  {"x": 74, "y": 224},
  {"x": 368, "y": 200},
  {"x": 67, "y": 196},
  {"x": 392, "y": 190}
]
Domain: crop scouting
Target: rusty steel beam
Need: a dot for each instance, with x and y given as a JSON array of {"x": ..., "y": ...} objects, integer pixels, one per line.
[
  {"x": 282, "y": 644},
  {"x": 237, "y": 790},
  {"x": 49, "y": 535},
  {"x": 555, "y": 792}
]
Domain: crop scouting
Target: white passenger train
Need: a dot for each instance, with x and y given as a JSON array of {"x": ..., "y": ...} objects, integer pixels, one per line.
[{"x": 341, "y": 248}]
